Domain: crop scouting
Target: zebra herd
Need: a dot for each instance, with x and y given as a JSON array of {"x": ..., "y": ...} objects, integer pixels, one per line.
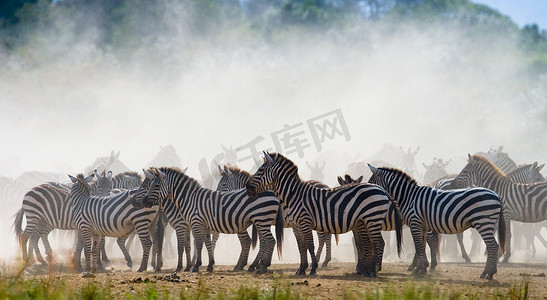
[{"x": 101, "y": 205}]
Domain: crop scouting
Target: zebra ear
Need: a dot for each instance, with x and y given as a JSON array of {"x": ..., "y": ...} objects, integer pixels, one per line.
[
  {"x": 96, "y": 173},
  {"x": 268, "y": 158},
  {"x": 72, "y": 178},
  {"x": 109, "y": 175},
  {"x": 372, "y": 169},
  {"x": 535, "y": 165},
  {"x": 360, "y": 179},
  {"x": 148, "y": 174},
  {"x": 540, "y": 167},
  {"x": 89, "y": 178},
  {"x": 341, "y": 181},
  {"x": 227, "y": 171},
  {"x": 161, "y": 173},
  {"x": 500, "y": 148},
  {"x": 220, "y": 171},
  {"x": 184, "y": 170},
  {"x": 469, "y": 158}
]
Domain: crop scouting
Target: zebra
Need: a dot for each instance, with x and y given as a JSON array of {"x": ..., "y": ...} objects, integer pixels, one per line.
[
  {"x": 46, "y": 208},
  {"x": 174, "y": 218},
  {"x": 112, "y": 215},
  {"x": 233, "y": 178},
  {"x": 360, "y": 208},
  {"x": 525, "y": 203},
  {"x": 426, "y": 209},
  {"x": 126, "y": 180},
  {"x": 435, "y": 170},
  {"x": 500, "y": 159},
  {"x": 211, "y": 211},
  {"x": 528, "y": 173}
]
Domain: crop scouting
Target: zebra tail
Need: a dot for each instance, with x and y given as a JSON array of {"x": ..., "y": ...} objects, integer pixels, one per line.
[
  {"x": 18, "y": 224},
  {"x": 336, "y": 238},
  {"x": 254, "y": 237},
  {"x": 398, "y": 230},
  {"x": 279, "y": 232},
  {"x": 502, "y": 231}
]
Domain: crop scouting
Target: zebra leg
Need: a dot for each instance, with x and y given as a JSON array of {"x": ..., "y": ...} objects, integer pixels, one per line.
[
  {"x": 210, "y": 252},
  {"x": 44, "y": 236},
  {"x": 198, "y": 234},
  {"x": 102, "y": 250},
  {"x": 487, "y": 234},
  {"x": 360, "y": 249},
  {"x": 328, "y": 246},
  {"x": 96, "y": 264},
  {"x": 431, "y": 239},
  {"x": 33, "y": 247},
  {"x": 144, "y": 235},
  {"x": 507, "y": 218},
  {"x": 376, "y": 250},
  {"x": 462, "y": 247},
  {"x": 188, "y": 249},
  {"x": 308, "y": 239},
  {"x": 418, "y": 235},
  {"x": 77, "y": 257},
  {"x": 121, "y": 243},
  {"x": 214, "y": 239},
  {"x": 245, "y": 242},
  {"x": 180, "y": 232},
  {"x": 302, "y": 249},
  {"x": 266, "y": 247},
  {"x": 321, "y": 240},
  {"x": 87, "y": 240}
]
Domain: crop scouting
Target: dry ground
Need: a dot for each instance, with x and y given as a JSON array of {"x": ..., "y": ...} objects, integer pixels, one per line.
[{"x": 331, "y": 283}]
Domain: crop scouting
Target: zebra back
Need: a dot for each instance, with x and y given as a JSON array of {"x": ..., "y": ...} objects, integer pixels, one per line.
[{"x": 127, "y": 180}]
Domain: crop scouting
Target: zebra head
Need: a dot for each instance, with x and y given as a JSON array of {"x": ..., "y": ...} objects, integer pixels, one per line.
[
  {"x": 151, "y": 191},
  {"x": 381, "y": 176},
  {"x": 349, "y": 180},
  {"x": 265, "y": 177},
  {"x": 469, "y": 175},
  {"x": 103, "y": 184},
  {"x": 80, "y": 187},
  {"x": 227, "y": 180}
]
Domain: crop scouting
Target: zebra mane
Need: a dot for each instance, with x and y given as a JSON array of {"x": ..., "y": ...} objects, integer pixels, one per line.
[
  {"x": 401, "y": 174},
  {"x": 180, "y": 174},
  {"x": 239, "y": 172},
  {"x": 290, "y": 167},
  {"x": 485, "y": 161}
]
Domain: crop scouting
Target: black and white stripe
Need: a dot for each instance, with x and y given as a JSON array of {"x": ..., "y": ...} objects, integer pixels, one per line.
[
  {"x": 426, "y": 209},
  {"x": 525, "y": 203},
  {"x": 360, "y": 208},
  {"x": 232, "y": 178},
  {"x": 108, "y": 216},
  {"x": 210, "y": 211}
]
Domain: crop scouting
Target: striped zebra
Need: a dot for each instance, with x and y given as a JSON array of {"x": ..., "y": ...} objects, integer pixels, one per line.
[
  {"x": 46, "y": 207},
  {"x": 426, "y": 209},
  {"x": 360, "y": 208},
  {"x": 233, "y": 178},
  {"x": 174, "y": 218},
  {"x": 528, "y": 173},
  {"x": 525, "y": 203},
  {"x": 211, "y": 211},
  {"x": 112, "y": 215},
  {"x": 126, "y": 180},
  {"x": 500, "y": 159}
]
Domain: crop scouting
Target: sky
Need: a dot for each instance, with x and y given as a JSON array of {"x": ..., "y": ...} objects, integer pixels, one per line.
[{"x": 521, "y": 12}]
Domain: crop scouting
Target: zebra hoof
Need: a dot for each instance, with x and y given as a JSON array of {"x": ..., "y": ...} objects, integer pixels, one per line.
[
  {"x": 187, "y": 269},
  {"x": 210, "y": 269},
  {"x": 312, "y": 273},
  {"x": 251, "y": 268},
  {"x": 324, "y": 265},
  {"x": 195, "y": 269},
  {"x": 410, "y": 268},
  {"x": 300, "y": 272},
  {"x": 130, "y": 264}
]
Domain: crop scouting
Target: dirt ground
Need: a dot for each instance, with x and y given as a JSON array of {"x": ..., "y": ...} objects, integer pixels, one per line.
[{"x": 332, "y": 282}]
